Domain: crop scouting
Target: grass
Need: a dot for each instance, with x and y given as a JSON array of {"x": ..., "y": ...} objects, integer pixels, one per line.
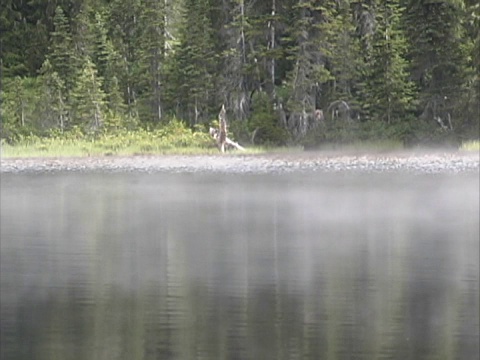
[
  {"x": 471, "y": 145},
  {"x": 174, "y": 138},
  {"x": 126, "y": 144},
  {"x": 82, "y": 148}
]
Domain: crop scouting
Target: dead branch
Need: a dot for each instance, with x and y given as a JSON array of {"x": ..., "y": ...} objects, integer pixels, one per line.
[
  {"x": 222, "y": 130},
  {"x": 220, "y": 134},
  {"x": 339, "y": 109}
]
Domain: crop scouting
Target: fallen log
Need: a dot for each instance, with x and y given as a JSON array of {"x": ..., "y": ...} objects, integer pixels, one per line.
[{"x": 234, "y": 144}]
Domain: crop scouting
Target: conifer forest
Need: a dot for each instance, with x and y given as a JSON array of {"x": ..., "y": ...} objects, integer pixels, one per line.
[{"x": 289, "y": 72}]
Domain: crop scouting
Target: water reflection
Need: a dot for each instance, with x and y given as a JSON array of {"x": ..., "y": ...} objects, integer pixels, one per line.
[{"x": 239, "y": 267}]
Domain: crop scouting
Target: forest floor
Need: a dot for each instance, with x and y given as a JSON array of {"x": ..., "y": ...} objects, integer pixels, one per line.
[{"x": 418, "y": 161}]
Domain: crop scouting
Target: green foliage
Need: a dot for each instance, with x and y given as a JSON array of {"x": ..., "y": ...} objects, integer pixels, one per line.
[
  {"x": 62, "y": 56},
  {"x": 111, "y": 66},
  {"x": 440, "y": 54},
  {"x": 191, "y": 68},
  {"x": 87, "y": 104},
  {"x": 173, "y": 137},
  {"x": 349, "y": 132},
  {"x": 264, "y": 125},
  {"x": 309, "y": 45},
  {"x": 53, "y": 109},
  {"x": 389, "y": 92},
  {"x": 20, "y": 102}
]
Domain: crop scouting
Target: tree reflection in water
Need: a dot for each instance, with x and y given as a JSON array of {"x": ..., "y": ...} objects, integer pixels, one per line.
[{"x": 310, "y": 266}]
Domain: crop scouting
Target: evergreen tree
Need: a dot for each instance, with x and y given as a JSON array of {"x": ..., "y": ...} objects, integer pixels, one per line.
[
  {"x": 16, "y": 102},
  {"x": 107, "y": 62},
  {"x": 87, "y": 99},
  {"x": 344, "y": 56},
  {"x": 192, "y": 66},
  {"x": 235, "y": 82},
  {"x": 439, "y": 60},
  {"x": 390, "y": 93},
  {"x": 151, "y": 57},
  {"x": 24, "y": 27},
  {"x": 470, "y": 109},
  {"x": 53, "y": 101},
  {"x": 115, "y": 98},
  {"x": 265, "y": 32},
  {"x": 125, "y": 29},
  {"x": 62, "y": 56},
  {"x": 308, "y": 54}
]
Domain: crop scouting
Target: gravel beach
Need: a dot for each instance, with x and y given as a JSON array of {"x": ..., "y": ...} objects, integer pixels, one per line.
[{"x": 416, "y": 162}]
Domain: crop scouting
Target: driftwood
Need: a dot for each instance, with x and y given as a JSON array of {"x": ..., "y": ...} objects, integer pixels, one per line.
[
  {"x": 220, "y": 134},
  {"x": 227, "y": 142}
]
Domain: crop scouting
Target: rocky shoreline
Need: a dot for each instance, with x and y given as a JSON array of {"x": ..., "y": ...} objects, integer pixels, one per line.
[{"x": 426, "y": 162}]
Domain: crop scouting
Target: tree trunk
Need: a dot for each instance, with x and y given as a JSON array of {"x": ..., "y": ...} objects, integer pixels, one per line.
[
  {"x": 272, "y": 48},
  {"x": 220, "y": 134}
]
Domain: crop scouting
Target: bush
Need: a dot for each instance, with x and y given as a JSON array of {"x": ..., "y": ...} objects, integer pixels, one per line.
[{"x": 171, "y": 137}]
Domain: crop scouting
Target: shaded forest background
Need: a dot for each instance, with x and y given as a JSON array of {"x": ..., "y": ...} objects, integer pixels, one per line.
[{"x": 289, "y": 71}]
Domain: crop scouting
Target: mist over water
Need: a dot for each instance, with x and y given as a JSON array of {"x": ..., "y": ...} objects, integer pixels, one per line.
[{"x": 199, "y": 266}]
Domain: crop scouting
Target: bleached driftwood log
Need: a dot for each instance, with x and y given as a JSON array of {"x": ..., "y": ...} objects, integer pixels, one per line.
[{"x": 220, "y": 134}]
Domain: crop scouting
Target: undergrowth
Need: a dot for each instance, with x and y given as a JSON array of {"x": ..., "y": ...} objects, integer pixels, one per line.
[
  {"x": 174, "y": 137},
  {"x": 471, "y": 145}
]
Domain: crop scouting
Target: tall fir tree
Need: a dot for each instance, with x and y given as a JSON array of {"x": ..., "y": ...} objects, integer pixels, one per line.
[
  {"x": 472, "y": 112},
  {"x": 439, "y": 60},
  {"x": 264, "y": 33},
  {"x": 390, "y": 92},
  {"x": 53, "y": 103},
  {"x": 124, "y": 28},
  {"x": 151, "y": 45},
  {"x": 192, "y": 65},
  {"x": 234, "y": 83},
  {"x": 308, "y": 54},
  {"x": 344, "y": 60},
  {"x": 87, "y": 99},
  {"x": 62, "y": 56}
]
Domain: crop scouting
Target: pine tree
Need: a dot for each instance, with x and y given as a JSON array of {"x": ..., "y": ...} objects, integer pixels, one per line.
[
  {"x": 439, "y": 60},
  {"x": 344, "y": 56},
  {"x": 62, "y": 56},
  {"x": 266, "y": 27},
  {"x": 107, "y": 62},
  {"x": 234, "y": 80},
  {"x": 87, "y": 101},
  {"x": 471, "y": 114},
  {"x": 23, "y": 37},
  {"x": 390, "y": 93},
  {"x": 54, "y": 107},
  {"x": 309, "y": 55},
  {"x": 192, "y": 66},
  {"x": 125, "y": 29},
  {"x": 151, "y": 48}
]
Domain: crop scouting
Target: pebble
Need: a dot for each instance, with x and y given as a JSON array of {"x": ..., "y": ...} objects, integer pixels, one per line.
[{"x": 452, "y": 162}]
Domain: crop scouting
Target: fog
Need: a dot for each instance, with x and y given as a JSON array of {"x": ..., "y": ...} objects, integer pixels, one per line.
[{"x": 239, "y": 266}]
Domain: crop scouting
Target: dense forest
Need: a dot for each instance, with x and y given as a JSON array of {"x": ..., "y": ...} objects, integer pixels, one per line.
[{"x": 288, "y": 71}]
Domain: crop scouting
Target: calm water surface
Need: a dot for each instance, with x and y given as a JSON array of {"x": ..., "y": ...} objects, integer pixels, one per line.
[{"x": 198, "y": 266}]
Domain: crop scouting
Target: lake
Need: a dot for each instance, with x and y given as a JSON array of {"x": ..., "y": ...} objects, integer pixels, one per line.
[{"x": 239, "y": 266}]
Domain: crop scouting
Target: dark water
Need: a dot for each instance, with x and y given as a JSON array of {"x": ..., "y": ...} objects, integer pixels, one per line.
[{"x": 293, "y": 266}]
